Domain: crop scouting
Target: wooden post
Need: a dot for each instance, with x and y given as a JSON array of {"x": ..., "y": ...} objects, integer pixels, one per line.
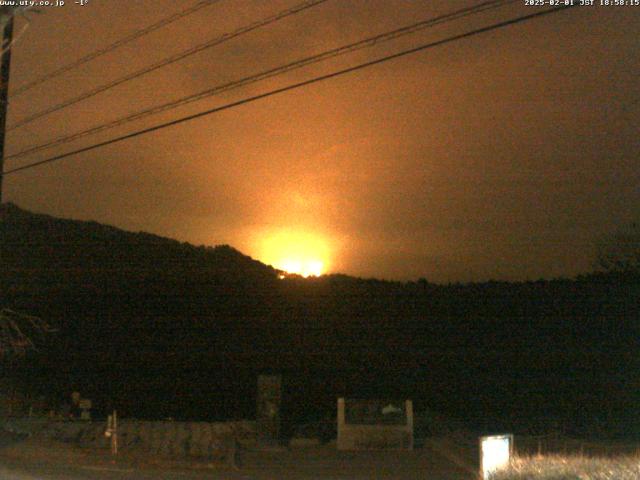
[
  {"x": 112, "y": 432},
  {"x": 539, "y": 447},
  {"x": 7, "y": 38},
  {"x": 340, "y": 442},
  {"x": 408, "y": 408},
  {"x": 114, "y": 436}
]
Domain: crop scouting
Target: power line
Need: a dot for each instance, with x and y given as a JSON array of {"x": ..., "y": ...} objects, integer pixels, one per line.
[
  {"x": 169, "y": 60},
  {"x": 98, "y": 53},
  {"x": 349, "y": 48},
  {"x": 295, "y": 86}
]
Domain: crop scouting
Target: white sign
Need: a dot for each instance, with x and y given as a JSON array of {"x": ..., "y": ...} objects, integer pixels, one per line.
[{"x": 495, "y": 454}]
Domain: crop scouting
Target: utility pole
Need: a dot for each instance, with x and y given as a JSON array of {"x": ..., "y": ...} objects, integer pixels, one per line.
[{"x": 7, "y": 38}]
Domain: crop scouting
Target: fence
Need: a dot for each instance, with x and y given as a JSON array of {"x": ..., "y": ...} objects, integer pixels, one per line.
[{"x": 205, "y": 440}]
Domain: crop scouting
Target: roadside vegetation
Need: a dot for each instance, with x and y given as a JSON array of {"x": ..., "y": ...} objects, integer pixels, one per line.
[{"x": 571, "y": 467}]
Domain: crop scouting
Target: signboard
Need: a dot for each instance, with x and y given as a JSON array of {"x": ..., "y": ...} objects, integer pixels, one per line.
[
  {"x": 375, "y": 412},
  {"x": 375, "y": 424},
  {"x": 495, "y": 454}
]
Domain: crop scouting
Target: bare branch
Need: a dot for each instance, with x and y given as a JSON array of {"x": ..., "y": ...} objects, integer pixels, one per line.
[{"x": 17, "y": 332}]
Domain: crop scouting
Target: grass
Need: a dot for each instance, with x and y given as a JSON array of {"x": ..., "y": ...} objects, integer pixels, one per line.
[{"x": 571, "y": 467}]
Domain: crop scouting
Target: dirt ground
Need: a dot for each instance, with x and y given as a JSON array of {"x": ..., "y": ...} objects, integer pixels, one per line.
[{"x": 442, "y": 459}]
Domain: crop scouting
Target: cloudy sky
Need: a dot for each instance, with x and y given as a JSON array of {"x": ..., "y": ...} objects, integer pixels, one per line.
[{"x": 507, "y": 155}]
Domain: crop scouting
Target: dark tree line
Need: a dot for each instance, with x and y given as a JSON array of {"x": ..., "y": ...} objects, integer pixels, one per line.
[{"x": 159, "y": 328}]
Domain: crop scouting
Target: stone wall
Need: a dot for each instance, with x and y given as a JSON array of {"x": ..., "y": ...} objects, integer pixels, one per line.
[{"x": 205, "y": 440}]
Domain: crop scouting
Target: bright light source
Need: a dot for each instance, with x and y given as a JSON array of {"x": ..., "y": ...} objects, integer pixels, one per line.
[
  {"x": 295, "y": 252},
  {"x": 495, "y": 453},
  {"x": 313, "y": 268}
]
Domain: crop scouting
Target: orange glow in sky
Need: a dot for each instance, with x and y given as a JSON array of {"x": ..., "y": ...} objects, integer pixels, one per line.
[{"x": 297, "y": 252}]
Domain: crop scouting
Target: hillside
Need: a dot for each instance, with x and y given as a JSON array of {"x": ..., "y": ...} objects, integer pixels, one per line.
[
  {"x": 121, "y": 299},
  {"x": 161, "y": 328}
]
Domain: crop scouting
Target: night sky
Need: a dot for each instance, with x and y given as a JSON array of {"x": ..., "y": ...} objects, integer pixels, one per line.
[{"x": 507, "y": 155}]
